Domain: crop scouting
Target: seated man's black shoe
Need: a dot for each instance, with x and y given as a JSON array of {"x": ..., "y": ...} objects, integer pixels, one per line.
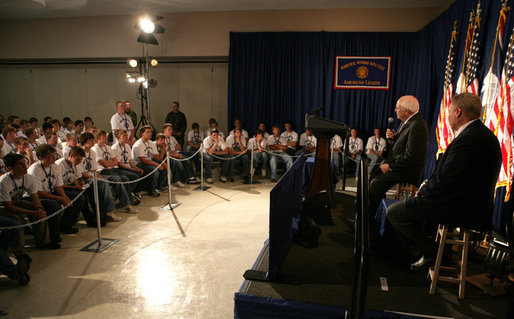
[
  {"x": 69, "y": 230},
  {"x": 154, "y": 194},
  {"x": 52, "y": 245},
  {"x": 56, "y": 239},
  {"x": 424, "y": 262}
]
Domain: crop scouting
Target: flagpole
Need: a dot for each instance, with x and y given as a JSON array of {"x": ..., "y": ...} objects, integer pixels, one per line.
[
  {"x": 476, "y": 23},
  {"x": 465, "y": 61}
]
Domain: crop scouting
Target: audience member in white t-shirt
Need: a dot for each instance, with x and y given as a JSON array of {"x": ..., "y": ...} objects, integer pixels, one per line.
[
  {"x": 182, "y": 171},
  {"x": 88, "y": 168},
  {"x": 278, "y": 145},
  {"x": 375, "y": 148},
  {"x": 23, "y": 148},
  {"x": 291, "y": 138},
  {"x": 307, "y": 143},
  {"x": 52, "y": 139},
  {"x": 71, "y": 141},
  {"x": 236, "y": 147},
  {"x": 108, "y": 168},
  {"x": 258, "y": 144},
  {"x": 32, "y": 136},
  {"x": 3, "y": 168},
  {"x": 120, "y": 120},
  {"x": 213, "y": 124},
  {"x": 355, "y": 148},
  {"x": 194, "y": 141},
  {"x": 13, "y": 186},
  {"x": 50, "y": 191},
  {"x": 123, "y": 153},
  {"x": 9, "y": 134},
  {"x": 144, "y": 153},
  {"x": 237, "y": 125},
  {"x": 213, "y": 145},
  {"x": 262, "y": 127}
]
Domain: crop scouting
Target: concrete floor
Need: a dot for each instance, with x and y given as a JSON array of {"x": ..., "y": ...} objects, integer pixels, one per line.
[{"x": 153, "y": 271}]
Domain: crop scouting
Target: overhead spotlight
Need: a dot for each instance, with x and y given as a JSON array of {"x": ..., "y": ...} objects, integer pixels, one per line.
[
  {"x": 154, "y": 62},
  {"x": 146, "y": 25},
  {"x": 147, "y": 38},
  {"x": 132, "y": 63}
]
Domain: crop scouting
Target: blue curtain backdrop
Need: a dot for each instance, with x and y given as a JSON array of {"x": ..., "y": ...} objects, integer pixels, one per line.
[{"x": 279, "y": 76}]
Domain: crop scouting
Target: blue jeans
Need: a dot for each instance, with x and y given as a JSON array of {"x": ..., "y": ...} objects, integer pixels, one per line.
[
  {"x": 119, "y": 189},
  {"x": 336, "y": 158},
  {"x": 207, "y": 165},
  {"x": 7, "y": 238},
  {"x": 282, "y": 157},
  {"x": 245, "y": 165},
  {"x": 104, "y": 196},
  {"x": 156, "y": 180},
  {"x": 72, "y": 213}
]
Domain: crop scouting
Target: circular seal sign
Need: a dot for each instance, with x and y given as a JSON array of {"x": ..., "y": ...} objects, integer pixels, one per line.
[{"x": 362, "y": 72}]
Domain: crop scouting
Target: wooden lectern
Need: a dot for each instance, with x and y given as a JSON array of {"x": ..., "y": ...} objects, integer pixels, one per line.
[{"x": 319, "y": 191}]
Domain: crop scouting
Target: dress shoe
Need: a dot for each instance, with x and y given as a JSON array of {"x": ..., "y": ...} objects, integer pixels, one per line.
[
  {"x": 69, "y": 230},
  {"x": 52, "y": 245},
  {"x": 424, "y": 262}
]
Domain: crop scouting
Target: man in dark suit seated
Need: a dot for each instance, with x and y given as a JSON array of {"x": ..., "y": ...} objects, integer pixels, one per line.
[
  {"x": 406, "y": 154},
  {"x": 461, "y": 189}
]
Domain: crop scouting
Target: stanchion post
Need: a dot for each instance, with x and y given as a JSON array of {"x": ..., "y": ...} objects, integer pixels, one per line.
[
  {"x": 169, "y": 179},
  {"x": 97, "y": 204},
  {"x": 201, "y": 187}
]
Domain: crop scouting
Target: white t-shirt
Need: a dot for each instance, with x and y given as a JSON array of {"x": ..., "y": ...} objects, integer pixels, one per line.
[
  {"x": 121, "y": 122},
  {"x": 375, "y": 145},
  {"x": 8, "y": 148},
  {"x": 208, "y": 142},
  {"x": 281, "y": 140},
  {"x": 252, "y": 143},
  {"x": 58, "y": 152},
  {"x": 48, "y": 177},
  {"x": 69, "y": 172},
  {"x": 123, "y": 153},
  {"x": 308, "y": 141},
  {"x": 244, "y": 133},
  {"x": 290, "y": 136},
  {"x": 14, "y": 189},
  {"x": 42, "y": 140},
  {"x": 88, "y": 165},
  {"x": 66, "y": 151},
  {"x": 61, "y": 135},
  {"x": 233, "y": 144},
  {"x": 266, "y": 135},
  {"x": 355, "y": 145},
  {"x": 171, "y": 144},
  {"x": 143, "y": 149},
  {"x": 336, "y": 142},
  {"x": 20, "y": 133},
  {"x": 208, "y": 133},
  {"x": 195, "y": 138},
  {"x": 104, "y": 152}
]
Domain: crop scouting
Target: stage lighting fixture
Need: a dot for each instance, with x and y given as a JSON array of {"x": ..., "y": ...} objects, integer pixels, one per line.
[
  {"x": 132, "y": 63},
  {"x": 146, "y": 25},
  {"x": 141, "y": 79},
  {"x": 132, "y": 80},
  {"x": 152, "y": 83},
  {"x": 154, "y": 62}
]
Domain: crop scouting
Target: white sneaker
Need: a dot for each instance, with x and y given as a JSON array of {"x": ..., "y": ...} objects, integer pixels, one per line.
[
  {"x": 179, "y": 184},
  {"x": 263, "y": 172},
  {"x": 128, "y": 209},
  {"x": 209, "y": 180},
  {"x": 223, "y": 179},
  {"x": 113, "y": 217}
]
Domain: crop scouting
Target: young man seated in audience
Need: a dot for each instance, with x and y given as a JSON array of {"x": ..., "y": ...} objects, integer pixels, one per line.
[
  {"x": 14, "y": 205},
  {"x": 68, "y": 125},
  {"x": 237, "y": 125},
  {"x": 34, "y": 123},
  {"x": 56, "y": 127},
  {"x": 88, "y": 123},
  {"x": 355, "y": 148},
  {"x": 23, "y": 148},
  {"x": 213, "y": 125},
  {"x": 9, "y": 134},
  {"x": 19, "y": 271},
  {"x": 144, "y": 154},
  {"x": 73, "y": 185},
  {"x": 52, "y": 139},
  {"x": 259, "y": 144},
  {"x": 262, "y": 127},
  {"x": 375, "y": 148},
  {"x": 214, "y": 145},
  {"x": 177, "y": 174},
  {"x": 291, "y": 138},
  {"x": 88, "y": 168},
  {"x": 47, "y": 128},
  {"x": 71, "y": 141},
  {"x": 307, "y": 143},
  {"x": 17, "y": 127},
  {"x": 32, "y": 136},
  {"x": 52, "y": 195},
  {"x": 47, "y": 119},
  {"x": 123, "y": 153},
  {"x": 185, "y": 168},
  {"x": 24, "y": 125},
  {"x": 336, "y": 143},
  {"x": 277, "y": 144},
  {"x": 108, "y": 168},
  {"x": 79, "y": 127},
  {"x": 194, "y": 141},
  {"x": 236, "y": 146}
]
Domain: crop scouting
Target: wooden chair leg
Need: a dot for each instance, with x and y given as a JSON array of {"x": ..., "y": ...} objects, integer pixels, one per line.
[
  {"x": 434, "y": 272},
  {"x": 463, "y": 264}
]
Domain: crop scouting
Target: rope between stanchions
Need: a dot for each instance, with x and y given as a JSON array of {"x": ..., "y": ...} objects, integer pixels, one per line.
[
  {"x": 185, "y": 159},
  {"x": 53, "y": 214},
  {"x": 227, "y": 158},
  {"x": 283, "y": 154}
]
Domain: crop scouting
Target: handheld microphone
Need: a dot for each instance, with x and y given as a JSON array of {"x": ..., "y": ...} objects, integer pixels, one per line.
[{"x": 390, "y": 122}]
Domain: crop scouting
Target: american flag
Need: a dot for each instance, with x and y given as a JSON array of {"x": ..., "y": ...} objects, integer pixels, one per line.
[
  {"x": 505, "y": 103},
  {"x": 473, "y": 60},
  {"x": 491, "y": 84},
  {"x": 461, "y": 82},
  {"x": 444, "y": 132}
]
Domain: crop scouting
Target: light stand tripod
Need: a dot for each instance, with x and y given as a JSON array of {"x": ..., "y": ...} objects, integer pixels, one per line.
[{"x": 143, "y": 91}]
